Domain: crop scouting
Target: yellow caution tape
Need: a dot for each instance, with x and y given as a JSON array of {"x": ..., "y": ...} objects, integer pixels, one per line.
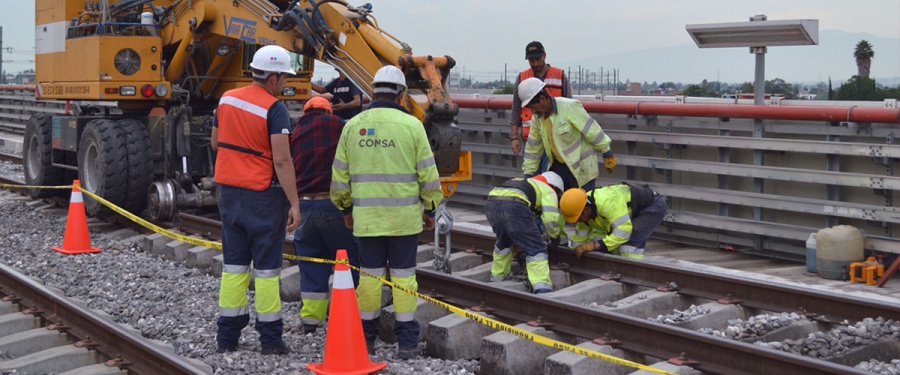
[
  {"x": 186, "y": 239},
  {"x": 13, "y": 186},
  {"x": 491, "y": 323},
  {"x": 500, "y": 326}
]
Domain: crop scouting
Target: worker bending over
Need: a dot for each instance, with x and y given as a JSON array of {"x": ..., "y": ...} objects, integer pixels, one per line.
[
  {"x": 567, "y": 134},
  {"x": 385, "y": 180},
  {"x": 615, "y": 219},
  {"x": 511, "y": 209}
]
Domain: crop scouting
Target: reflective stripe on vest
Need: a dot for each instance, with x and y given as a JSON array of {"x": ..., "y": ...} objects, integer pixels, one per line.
[
  {"x": 553, "y": 84},
  {"x": 244, "y": 157}
]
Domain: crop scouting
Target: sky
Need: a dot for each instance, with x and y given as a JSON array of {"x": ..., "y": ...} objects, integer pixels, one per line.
[{"x": 485, "y": 36}]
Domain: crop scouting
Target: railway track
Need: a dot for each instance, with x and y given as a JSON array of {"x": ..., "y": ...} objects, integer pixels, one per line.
[
  {"x": 613, "y": 300},
  {"x": 622, "y": 298},
  {"x": 45, "y": 332}
]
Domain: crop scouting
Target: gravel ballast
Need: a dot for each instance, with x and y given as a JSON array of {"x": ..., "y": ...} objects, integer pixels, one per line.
[{"x": 166, "y": 301}]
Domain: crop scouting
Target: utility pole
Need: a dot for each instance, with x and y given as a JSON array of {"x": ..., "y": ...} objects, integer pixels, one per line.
[
  {"x": 579, "y": 80},
  {"x": 504, "y": 74},
  {"x": 2, "y": 74}
]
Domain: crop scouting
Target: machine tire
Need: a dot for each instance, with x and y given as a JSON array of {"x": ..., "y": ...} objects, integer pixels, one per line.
[
  {"x": 140, "y": 164},
  {"x": 38, "y": 156},
  {"x": 102, "y": 165}
]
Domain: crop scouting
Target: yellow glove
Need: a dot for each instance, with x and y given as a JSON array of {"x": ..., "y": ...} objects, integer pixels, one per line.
[
  {"x": 585, "y": 247},
  {"x": 590, "y": 246},
  {"x": 610, "y": 163}
]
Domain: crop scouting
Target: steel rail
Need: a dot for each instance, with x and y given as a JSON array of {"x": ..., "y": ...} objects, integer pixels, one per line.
[
  {"x": 768, "y": 296},
  {"x": 137, "y": 353},
  {"x": 834, "y": 114},
  {"x": 713, "y": 354}
]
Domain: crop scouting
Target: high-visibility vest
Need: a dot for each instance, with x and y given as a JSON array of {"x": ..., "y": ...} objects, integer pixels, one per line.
[
  {"x": 384, "y": 168},
  {"x": 577, "y": 138},
  {"x": 244, "y": 156},
  {"x": 553, "y": 84}
]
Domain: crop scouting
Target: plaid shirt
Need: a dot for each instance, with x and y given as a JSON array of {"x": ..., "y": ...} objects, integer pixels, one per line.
[{"x": 313, "y": 143}]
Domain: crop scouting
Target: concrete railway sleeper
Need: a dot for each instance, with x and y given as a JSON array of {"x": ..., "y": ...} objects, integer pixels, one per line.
[
  {"x": 606, "y": 304},
  {"x": 615, "y": 313},
  {"x": 42, "y": 331}
]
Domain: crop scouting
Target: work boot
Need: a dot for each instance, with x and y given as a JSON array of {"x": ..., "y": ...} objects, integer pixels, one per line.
[
  {"x": 408, "y": 353},
  {"x": 224, "y": 349},
  {"x": 309, "y": 328},
  {"x": 370, "y": 346},
  {"x": 542, "y": 290},
  {"x": 279, "y": 348}
]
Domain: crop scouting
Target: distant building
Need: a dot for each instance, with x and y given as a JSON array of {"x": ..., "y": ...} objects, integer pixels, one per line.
[
  {"x": 633, "y": 89},
  {"x": 662, "y": 92},
  {"x": 22, "y": 78},
  {"x": 453, "y": 79}
]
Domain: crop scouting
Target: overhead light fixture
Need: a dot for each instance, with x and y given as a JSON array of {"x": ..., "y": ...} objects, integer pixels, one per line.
[{"x": 757, "y": 34}]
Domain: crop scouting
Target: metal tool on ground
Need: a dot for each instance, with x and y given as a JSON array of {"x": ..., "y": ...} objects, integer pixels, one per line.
[{"x": 443, "y": 226}]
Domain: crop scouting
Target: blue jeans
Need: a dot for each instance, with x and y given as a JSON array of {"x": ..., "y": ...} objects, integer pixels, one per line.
[
  {"x": 253, "y": 229},
  {"x": 320, "y": 235},
  {"x": 646, "y": 221},
  {"x": 514, "y": 223}
]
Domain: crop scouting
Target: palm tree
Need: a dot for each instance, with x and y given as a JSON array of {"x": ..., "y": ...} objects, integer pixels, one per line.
[{"x": 863, "y": 54}]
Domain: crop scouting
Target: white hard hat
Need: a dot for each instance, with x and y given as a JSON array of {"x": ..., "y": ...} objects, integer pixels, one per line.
[
  {"x": 554, "y": 180},
  {"x": 272, "y": 59},
  {"x": 389, "y": 74},
  {"x": 528, "y": 89}
]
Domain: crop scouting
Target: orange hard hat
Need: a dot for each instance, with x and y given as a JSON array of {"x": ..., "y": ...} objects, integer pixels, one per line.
[{"x": 317, "y": 102}]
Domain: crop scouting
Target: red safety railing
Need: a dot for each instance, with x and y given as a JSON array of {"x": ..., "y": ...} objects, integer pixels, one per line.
[{"x": 761, "y": 112}]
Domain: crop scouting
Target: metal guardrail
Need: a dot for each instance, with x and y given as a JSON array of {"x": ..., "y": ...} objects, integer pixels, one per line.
[{"x": 756, "y": 178}]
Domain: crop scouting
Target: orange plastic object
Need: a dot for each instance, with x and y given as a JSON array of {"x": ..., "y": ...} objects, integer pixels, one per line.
[
  {"x": 345, "y": 346},
  {"x": 78, "y": 239},
  {"x": 871, "y": 270}
]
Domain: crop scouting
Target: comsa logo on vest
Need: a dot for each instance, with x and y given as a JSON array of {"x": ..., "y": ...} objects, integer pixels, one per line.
[{"x": 371, "y": 141}]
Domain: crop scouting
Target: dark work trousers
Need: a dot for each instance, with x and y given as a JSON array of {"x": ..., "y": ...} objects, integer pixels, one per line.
[
  {"x": 646, "y": 221},
  {"x": 320, "y": 235},
  {"x": 514, "y": 223},
  {"x": 396, "y": 253},
  {"x": 569, "y": 180},
  {"x": 253, "y": 229}
]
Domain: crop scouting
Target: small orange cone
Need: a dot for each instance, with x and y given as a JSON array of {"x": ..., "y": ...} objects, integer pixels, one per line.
[
  {"x": 345, "y": 346},
  {"x": 77, "y": 240}
]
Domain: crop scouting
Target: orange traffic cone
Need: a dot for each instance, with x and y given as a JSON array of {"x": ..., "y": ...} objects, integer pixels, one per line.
[
  {"x": 77, "y": 240},
  {"x": 345, "y": 346}
]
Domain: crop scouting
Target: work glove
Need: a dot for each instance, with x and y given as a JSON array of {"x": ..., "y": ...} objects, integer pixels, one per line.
[
  {"x": 590, "y": 246},
  {"x": 610, "y": 161},
  {"x": 428, "y": 221}
]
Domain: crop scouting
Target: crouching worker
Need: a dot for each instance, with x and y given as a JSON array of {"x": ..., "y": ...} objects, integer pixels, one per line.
[
  {"x": 615, "y": 219},
  {"x": 511, "y": 209}
]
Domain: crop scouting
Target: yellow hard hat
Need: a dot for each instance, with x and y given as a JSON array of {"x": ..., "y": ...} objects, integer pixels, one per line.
[{"x": 572, "y": 203}]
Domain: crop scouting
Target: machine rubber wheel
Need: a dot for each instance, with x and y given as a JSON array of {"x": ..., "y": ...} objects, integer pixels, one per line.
[
  {"x": 140, "y": 165},
  {"x": 102, "y": 165},
  {"x": 38, "y": 156}
]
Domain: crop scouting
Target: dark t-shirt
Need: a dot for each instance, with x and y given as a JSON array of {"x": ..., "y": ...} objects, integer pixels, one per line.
[{"x": 343, "y": 91}]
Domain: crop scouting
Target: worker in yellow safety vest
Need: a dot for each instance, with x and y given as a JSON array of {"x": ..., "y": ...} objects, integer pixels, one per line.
[
  {"x": 563, "y": 131},
  {"x": 615, "y": 219},
  {"x": 385, "y": 180},
  {"x": 555, "y": 83},
  {"x": 511, "y": 209}
]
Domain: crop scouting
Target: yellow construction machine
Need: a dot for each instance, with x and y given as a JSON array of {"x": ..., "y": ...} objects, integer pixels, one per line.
[{"x": 145, "y": 77}]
